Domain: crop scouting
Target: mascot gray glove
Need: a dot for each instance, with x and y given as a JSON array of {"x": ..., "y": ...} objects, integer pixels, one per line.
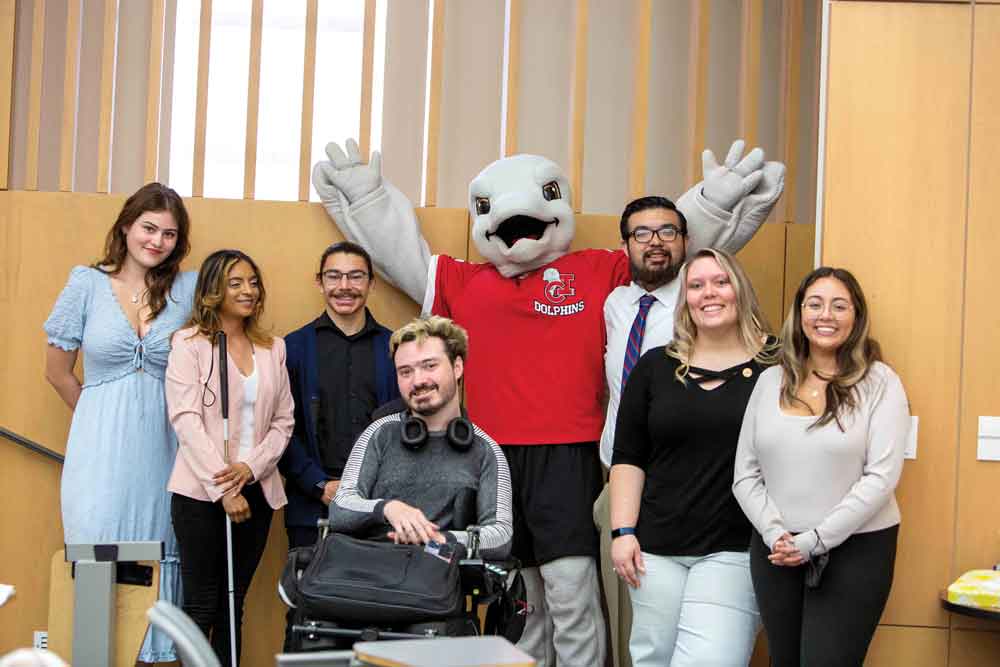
[
  {"x": 726, "y": 185},
  {"x": 346, "y": 174},
  {"x": 753, "y": 210},
  {"x": 375, "y": 215},
  {"x": 734, "y": 199}
]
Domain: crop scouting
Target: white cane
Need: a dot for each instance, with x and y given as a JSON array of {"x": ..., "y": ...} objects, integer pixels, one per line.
[{"x": 224, "y": 399}]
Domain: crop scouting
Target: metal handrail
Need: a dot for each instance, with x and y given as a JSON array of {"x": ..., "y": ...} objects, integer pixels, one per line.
[{"x": 30, "y": 444}]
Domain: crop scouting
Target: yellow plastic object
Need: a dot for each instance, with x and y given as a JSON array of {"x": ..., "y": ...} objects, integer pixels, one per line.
[{"x": 977, "y": 588}]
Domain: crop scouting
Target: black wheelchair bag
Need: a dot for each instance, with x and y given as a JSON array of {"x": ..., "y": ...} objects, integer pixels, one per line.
[{"x": 375, "y": 582}]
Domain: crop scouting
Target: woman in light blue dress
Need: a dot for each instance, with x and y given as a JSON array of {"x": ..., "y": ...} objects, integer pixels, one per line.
[{"x": 121, "y": 312}]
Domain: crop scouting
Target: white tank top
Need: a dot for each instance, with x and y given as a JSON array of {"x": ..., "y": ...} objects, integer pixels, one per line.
[{"x": 246, "y": 413}]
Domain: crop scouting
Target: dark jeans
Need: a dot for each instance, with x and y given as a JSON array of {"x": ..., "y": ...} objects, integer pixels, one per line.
[
  {"x": 831, "y": 625},
  {"x": 298, "y": 536},
  {"x": 200, "y": 527}
]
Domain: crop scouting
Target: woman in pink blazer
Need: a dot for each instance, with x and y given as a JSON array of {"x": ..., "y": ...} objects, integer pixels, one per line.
[{"x": 206, "y": 485}]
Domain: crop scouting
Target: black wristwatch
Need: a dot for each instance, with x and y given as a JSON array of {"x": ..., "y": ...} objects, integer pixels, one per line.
[{"x": 618, "y": 532}]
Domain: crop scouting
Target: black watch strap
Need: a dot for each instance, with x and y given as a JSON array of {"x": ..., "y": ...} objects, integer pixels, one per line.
[{"x": 618, "y": 532}]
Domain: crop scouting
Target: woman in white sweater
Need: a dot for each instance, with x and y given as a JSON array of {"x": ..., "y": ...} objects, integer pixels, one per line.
[{"x": 819, "y": 456}]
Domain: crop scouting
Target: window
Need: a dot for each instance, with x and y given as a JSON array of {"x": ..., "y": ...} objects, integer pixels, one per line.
[{"x": 336, "y": 101}]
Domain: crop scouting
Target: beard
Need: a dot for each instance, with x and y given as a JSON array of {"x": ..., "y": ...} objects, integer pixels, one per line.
[
  {"x": 427, "y": 408},
  {"x": 654, "y": 278}
]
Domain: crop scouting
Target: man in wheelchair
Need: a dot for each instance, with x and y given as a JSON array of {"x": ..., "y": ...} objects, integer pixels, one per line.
[{"x": 424, "y": 506}]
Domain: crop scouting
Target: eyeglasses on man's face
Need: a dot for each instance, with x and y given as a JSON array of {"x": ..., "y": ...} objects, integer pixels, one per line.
[
  {"x": 353, "y": 277},
  {"x": 666, "y": 233}
]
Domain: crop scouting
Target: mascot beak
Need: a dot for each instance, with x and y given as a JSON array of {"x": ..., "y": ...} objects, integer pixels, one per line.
[{"x": 518, "y": 216}]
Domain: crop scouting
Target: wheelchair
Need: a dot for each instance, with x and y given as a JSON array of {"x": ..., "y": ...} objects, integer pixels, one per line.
[{"x": 496, "y": 586}]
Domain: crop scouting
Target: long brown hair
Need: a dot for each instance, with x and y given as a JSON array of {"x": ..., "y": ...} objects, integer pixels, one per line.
[
  {"x": 210, "y": 292},
  {"x": 854, "y": 358},
  {"x": 160, "y": 278},
  {"x": 753, "y": 327}
]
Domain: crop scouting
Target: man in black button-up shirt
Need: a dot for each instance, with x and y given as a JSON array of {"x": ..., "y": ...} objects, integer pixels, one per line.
[
  {"x": 340, "y": 371},
  {"x": 346, "y": 389}
]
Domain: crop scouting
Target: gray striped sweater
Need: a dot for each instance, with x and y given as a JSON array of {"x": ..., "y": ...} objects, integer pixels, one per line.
[{"x": 453, "y": 489}]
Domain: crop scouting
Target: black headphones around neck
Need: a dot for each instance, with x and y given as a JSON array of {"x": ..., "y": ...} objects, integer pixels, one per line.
[{"x": 413, "y": 432}]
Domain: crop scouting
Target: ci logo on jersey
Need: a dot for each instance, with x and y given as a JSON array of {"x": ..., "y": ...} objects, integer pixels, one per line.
[{"x": 558, "y": 286}]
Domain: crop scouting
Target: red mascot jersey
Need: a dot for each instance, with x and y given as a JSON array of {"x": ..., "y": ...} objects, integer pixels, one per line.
[{"x": 535, "y": 372}]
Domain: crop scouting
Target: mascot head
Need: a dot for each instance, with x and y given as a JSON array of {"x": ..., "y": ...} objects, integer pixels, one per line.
[{"x": 521, "y": 213}]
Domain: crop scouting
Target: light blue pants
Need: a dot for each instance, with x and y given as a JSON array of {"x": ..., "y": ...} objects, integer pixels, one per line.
[{"x": 694, "y": 610}]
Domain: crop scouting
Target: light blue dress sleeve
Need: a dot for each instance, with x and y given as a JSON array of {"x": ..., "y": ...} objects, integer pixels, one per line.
[
  {"x": 183, "y": 289},
  {"x": 183, "y": 293},
  {"x": 65, "y": 324}
]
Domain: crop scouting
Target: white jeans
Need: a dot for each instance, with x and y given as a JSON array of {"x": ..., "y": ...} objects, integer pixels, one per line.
[{"x": 694, "y": 610}]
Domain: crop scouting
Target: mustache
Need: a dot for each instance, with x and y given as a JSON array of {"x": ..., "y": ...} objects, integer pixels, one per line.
[
  {"x": 337, "y": 293},
  {"x": 422, "y": 387},
  {"x": 666, "y": 253}
]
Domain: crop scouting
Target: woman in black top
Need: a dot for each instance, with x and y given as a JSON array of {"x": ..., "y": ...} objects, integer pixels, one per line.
[{"x": 680, "y": 538}]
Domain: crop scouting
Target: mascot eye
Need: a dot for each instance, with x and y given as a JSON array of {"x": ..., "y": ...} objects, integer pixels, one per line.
[
  {"x": 551, "y": 191},
  {"x": 482, "y": 205}
]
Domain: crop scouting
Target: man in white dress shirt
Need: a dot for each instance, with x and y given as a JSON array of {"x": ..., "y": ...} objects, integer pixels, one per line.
[{"x": 654, "y": 233}]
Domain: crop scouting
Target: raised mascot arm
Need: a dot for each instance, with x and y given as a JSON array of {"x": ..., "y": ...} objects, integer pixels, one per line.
[
  {"x": 374, "y": 214},
  {"x": 730, "y": 204}
]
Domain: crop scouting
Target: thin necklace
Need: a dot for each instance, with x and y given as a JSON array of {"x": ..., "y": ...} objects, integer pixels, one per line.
[
  {"x": 813, "y": 393},
  {"x": 136, "y": 296}
]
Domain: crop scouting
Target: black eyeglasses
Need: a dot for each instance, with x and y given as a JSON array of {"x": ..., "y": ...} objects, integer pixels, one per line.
[
  {"x": 353, "y": 277},
  {"x": 666, "y": 233}
]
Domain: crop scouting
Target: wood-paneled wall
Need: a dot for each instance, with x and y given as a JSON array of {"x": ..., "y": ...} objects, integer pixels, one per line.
[
  {"x": 978, "y": 528},
  {"x": 868, "y": 211},
  {"x": 45, "y": 234},
  {"x": 908, "y": 182}
]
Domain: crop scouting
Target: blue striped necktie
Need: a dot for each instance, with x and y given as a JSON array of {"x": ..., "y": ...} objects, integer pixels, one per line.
[{"x": 634, "y": 347}]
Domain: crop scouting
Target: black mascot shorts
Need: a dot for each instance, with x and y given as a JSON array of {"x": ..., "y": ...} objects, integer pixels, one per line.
[{"x": 554, "y": 489}]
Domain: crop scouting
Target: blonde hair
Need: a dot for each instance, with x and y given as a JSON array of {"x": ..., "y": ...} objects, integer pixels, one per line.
[
  {"x": 754, "y": 331},
  {"x": 454, "y": 337},
  {"x": 210, "y": 292},
  {"x": 854, "y": 358}
]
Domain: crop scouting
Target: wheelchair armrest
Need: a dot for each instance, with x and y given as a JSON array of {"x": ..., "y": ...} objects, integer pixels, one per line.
[{"x": 324, "y": 529}]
